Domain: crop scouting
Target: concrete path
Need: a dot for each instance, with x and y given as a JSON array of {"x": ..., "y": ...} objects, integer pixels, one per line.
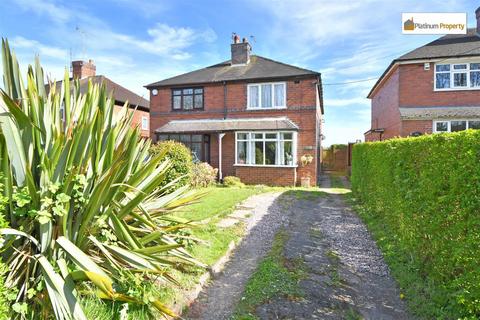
[{"x": 346, "y": 277}]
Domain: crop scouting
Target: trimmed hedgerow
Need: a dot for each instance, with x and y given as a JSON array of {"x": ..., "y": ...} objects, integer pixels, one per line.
[
  {"x": 421, "y": 199},
  {"x": 180, "y": 157}
]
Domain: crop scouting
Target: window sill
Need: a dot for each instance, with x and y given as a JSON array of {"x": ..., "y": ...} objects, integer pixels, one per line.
[
  {"x": 264, "y": 165},
  {"x": 266, "y": 109},
  {"x": 456, "y": 89}
]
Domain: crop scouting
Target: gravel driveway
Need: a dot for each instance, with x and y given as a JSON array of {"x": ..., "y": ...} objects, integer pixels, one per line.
[{"x": 346, "y": 277}]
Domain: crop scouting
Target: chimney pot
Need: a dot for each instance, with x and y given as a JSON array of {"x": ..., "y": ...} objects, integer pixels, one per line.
[
  {"x": 83, "y": 69},
  {"x": 236, "y": 38}
]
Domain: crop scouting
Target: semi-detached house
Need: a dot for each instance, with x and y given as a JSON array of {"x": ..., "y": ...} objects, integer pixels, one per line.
[
  {"x": 434, "y": 88},
  {"x": 250, "y": 117}
]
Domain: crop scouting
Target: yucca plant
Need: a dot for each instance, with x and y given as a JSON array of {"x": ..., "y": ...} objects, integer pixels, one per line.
[{"x": 86, "y": 213}]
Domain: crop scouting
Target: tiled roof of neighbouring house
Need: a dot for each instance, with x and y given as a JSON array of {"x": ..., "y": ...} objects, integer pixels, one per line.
[
  {"x": 221, "y": 125},
  {"x": 431, "y": 113},
  {"x": 448, "y": 46},
  {"x": 452, "y": 45},
  {"x": 258, "y": 68},
  {"x": 120, "y": 94}
]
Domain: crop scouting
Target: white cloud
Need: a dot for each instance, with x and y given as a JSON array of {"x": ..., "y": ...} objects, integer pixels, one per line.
[
  {"x": 39, "y": 48},
  {"x": 168, "y": 41},
  {"x": 56, "y": 12}
]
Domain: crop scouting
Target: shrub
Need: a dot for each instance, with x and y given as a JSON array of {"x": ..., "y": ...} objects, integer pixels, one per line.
[
  {"x": 180, "y": 158},
  {"x": 86, "y": 214},
  {"x": 232, "y": 181},
  {"x": 423, "y": 196},
  {"x": 203, "y": 175}
]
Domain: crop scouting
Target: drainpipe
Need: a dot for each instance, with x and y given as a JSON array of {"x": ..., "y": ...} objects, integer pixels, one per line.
[
  {"x": 225, "y": 100},
  {"x": 220, "y": 174}
]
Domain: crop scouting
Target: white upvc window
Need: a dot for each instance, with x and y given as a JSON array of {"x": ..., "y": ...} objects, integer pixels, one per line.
[
  {"x": 455, "y": 125},
  {"x": 144, "y": 123},
  {"x": 272, "y": 95},
  {"x": 270, "y": 148},
  {"x": 457, "y": 76}
]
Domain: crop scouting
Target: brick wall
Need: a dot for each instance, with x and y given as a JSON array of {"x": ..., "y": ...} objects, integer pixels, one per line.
[
  {"x": 385, "y": 113},
  {"x": 137, "y": 119},
  {"x": 416, "y": 88},
  {"x": 267, "y": 175},
  {"x": 302, "y": 109},
  {"x": 410, "y": 126}
]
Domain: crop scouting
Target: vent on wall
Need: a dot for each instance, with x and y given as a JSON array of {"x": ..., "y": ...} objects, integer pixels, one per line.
[{"x": 426, "y": 66}]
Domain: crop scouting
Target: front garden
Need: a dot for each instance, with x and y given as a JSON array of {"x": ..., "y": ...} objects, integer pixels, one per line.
[{"x": 95, "y": 222}]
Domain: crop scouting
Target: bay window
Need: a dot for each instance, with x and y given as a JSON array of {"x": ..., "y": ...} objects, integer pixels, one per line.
[
  {"x": 455, "y": 125},
  {"x": 266, "y": 95},
  {"x": 457, "y": 76},
  {"x": 265, "y": 148}
]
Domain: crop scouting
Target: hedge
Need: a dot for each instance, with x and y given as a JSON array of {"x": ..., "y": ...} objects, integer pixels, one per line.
[
  {"x": 181, "y": 159},
  {"x": 423, "y": 196}
]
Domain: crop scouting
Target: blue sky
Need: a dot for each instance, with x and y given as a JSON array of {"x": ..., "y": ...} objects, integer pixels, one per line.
[{"x": 136, "y": 42}]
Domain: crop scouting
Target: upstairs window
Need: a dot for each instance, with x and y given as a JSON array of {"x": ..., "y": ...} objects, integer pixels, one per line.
[
  {"x": 187, "y": 99},
  {"x": 144, "y": 123},
  {"x": 267, "y": 95},
  {"x": 457, "y": 76}
]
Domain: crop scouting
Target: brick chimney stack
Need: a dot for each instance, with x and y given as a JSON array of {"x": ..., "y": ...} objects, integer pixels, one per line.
[
  {"x": 477, "y": 15},
  {"x": 83, "y": 69},
  {"x": 240, "y": 51}
]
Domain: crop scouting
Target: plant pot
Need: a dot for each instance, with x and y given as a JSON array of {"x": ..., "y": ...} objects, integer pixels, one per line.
[{"x": 305, "y": 182}]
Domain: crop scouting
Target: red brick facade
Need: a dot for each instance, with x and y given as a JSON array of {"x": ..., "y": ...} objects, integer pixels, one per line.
[
  {"x": 303, "y": 108},
  {"x": 410, "y": 85}
]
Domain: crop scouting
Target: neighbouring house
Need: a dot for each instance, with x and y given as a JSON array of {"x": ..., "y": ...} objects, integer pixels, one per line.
[
  {"x": 85, "y": 71},
  {"x": 434, "y": 88},
  {"x": 250, "y": 117}
]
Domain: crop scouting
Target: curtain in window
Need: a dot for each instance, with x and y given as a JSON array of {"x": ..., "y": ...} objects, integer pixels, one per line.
[
  {"x": 475, "y": 79},
  {"x": 279, "y": 95},
  {"x": 443, "y": 80},
  {"x": 253, "y": 96},
  {"x": 266, "y": 95}
]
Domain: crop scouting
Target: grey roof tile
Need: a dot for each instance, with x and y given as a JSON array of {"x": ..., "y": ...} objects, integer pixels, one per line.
[
  {"x": 453, "y": 45},
  {"x": 445, "y": 112},
  {"x": 120, "y": 93},
  {"x": 220, "y": 125},
  {"x": 258, "y": 68}
]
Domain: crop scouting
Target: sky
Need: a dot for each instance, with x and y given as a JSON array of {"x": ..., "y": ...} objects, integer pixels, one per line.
[{"x": 136, "y": 42}]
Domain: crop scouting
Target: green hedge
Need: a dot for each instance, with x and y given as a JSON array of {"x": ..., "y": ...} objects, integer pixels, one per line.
[
  {"x": 181, "y": 159},
  {"x": 421, "y": 196}
]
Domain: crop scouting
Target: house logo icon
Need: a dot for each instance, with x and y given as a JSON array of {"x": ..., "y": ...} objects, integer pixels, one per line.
[{"x": 409, "y": 25}]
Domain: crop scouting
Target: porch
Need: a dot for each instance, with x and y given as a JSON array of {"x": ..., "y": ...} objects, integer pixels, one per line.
[{"x": 258, "y": 151}]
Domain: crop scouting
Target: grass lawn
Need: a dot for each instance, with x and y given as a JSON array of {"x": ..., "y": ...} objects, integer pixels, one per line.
[{"x": 217, "y": 203}]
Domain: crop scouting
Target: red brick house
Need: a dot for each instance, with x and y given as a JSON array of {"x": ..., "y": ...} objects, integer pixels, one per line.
[
  {"x": 434, "y": 88},
  {"x": 250, "y": 117},
  {"x": 86, "y": 71}
]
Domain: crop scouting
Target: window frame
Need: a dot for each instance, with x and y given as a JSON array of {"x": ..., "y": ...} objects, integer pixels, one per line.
[
  {"x": 144, "y": 118},
  {"x": 449, "y": 124},
  {"x": 205, "y": 143},
  {"x": 272, "y": 90},
  {"x": 181, "y": 95},
  {"x": 250, "y": 140},
  {"x": 452, "y": 73}
]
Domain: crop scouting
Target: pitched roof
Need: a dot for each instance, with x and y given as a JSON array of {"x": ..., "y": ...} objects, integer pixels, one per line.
[
  {"x": 448, "y": 46},
  {"x": 120, "y": 94},
  {"x": 258, "y": 68},
  {"x": 445, "y": 112},
  {"x": 221, "y": 125}
]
